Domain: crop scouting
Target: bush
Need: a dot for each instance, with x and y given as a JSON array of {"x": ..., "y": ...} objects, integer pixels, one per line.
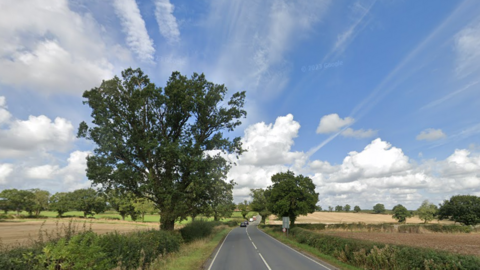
[
  {"x": 197, "y": 230},
  {"x": 232, "y": 223},
  {"x": 372, "y": 255}
]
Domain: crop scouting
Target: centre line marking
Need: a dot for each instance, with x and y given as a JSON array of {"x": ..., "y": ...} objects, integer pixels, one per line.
[
  {"x": 254, "y": 245},
  {"x": 265, "y": 262}
]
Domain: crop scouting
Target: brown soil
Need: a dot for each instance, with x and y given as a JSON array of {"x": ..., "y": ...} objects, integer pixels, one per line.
[
  {"x": 468, "y": 244},
  {"x": 24, "y": 232},
  {"x": 334, "y": 218}
]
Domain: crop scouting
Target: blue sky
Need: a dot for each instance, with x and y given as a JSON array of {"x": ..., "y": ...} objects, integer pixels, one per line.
[{"x": 376, "y": 101}]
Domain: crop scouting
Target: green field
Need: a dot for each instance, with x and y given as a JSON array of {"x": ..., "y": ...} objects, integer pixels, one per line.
[{"x": 115, "y": 215}]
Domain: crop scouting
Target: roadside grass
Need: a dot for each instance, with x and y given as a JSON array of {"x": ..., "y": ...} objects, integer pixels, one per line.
[
  {"x": 194, "y": 254},
  {"x": 306, "y": 248}
]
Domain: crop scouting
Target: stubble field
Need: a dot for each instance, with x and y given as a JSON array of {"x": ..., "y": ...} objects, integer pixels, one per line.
[{"x": 461, "y": 243}]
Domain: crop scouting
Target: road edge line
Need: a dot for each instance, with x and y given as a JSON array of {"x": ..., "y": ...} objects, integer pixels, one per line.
[
  {"x": 295, "y": 250},
  {"x": 218, "y": 251}
]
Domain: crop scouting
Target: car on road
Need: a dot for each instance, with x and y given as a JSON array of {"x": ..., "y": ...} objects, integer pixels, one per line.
[
  {"x": 244, "y": 224},
  {"x": 251, "y": 219}
]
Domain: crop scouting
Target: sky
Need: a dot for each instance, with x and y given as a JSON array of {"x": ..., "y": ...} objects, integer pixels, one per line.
[{"x": 375, "y": 101}]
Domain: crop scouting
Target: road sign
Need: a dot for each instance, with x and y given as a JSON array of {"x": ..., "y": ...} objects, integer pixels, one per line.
[{"x": 286, "y": 222}]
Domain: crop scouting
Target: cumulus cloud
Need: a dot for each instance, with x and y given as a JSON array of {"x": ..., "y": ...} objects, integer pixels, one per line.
[
  {"x": 167, "y": 23},
  {"x": 333, "y": 123},
  {"x": 55, "y": 50},
  {"x": 4, "y": 114},
  {"x": 431, "y": 134},
  {"x": 38, "y": 133},
  {"x": 134, "y": 27}
]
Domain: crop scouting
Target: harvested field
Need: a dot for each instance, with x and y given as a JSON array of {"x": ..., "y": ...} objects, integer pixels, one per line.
[
  {"x": 24, "y": 232},
  {"x": 335, "y": 218},
  {"x": 467, "y": 244}
]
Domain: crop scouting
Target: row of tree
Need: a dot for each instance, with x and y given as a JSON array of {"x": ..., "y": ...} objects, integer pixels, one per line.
[{"x": 91, "y": 202}]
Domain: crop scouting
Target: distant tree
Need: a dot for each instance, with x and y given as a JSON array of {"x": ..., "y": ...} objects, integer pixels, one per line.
[
  {"x": 464, "y": 209},
  {"x": 330, "y": 208},
  {"x": 61, "y": 203},
  {"x": 338, "y": 208},
  {"x": 40, "y": 200},
  {"x": 291, "y": 196},
  {"x": 88, "y": 201},
  {"x": 318, "y": 208},
  {"x": 143, "y": 206},
  {"x": 379, "y": 208},
  {"x": 19, "y": 200},
  {"x": 259, "y": 203},
  {"x": 427, "y": 211},
  {"x": 401, "y": 213},
  {"x": 346, "y": 208},
  {"x": 220, "y": 202},
  {"x": 243, "y": 207},
  {"x": 122, "y": 202},
  {"x": 357, "y": 209}
]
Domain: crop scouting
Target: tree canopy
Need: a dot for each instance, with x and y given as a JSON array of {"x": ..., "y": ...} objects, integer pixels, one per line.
[
  {"x": 379, "y": 208},
  {"x": 259, "y": 203},
  {"x": 464, "y": 209},
  {"x": 427, "y": 211},
  {"x": 401, "y": 213},
  {"x": 153, "y": 141},
  {"x": 291, "y": 195}
]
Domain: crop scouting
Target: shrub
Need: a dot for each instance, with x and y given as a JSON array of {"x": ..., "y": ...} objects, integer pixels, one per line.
[{"x": 196, "y": 230}]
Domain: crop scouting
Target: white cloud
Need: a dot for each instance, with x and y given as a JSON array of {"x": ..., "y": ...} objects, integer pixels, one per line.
[
  {"x": 4, "y": 114},
  {"x": 134, "y": 27},
  {"x": 333, "y": 123},
  {"x": 5, "y": 170},
  {"x": 431, "y": 134},
  {"x": 38, "y": 133},
  {"x": 55, "y": 50},
  {"x": 41, "y": 172},
  {"x": 167, "y": 23},
  {"x": 361, "y": 133}
]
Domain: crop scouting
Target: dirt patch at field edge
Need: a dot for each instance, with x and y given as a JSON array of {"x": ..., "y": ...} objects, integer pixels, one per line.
[{"x": 467, "y": 244}]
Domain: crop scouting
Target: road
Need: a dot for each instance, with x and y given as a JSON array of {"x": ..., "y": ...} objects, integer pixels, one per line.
[{"x": 250, "y": 248}]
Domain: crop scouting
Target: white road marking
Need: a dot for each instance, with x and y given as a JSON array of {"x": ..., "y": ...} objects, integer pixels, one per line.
[
  {"x": 219, "y": 250},
  {"x": 265, "y": 262},
  {"x": 295, "y": 250},
  {"x": 254, "y": 245}
]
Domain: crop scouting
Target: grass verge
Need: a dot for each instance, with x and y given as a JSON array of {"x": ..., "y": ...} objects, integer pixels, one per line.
[
  {"x": 310, "y": 250},
  {"x": 194, "y": 254}
]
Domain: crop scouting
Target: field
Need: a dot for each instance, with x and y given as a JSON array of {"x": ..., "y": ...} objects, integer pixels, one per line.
[
  {"x": 22, "y": 232},
  {"x": 339, "y": 217},
  {"x": 468, "y": 244}
]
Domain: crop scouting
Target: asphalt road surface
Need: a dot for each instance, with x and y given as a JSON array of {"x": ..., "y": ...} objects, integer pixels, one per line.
[{"x": 250, "y": 248}]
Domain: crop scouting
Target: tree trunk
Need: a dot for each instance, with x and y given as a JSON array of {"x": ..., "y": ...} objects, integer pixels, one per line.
[
  {"x": 143, "y": 216},
  {"x": 167, "y": 222},
  {"x": 292, "y": 221}
]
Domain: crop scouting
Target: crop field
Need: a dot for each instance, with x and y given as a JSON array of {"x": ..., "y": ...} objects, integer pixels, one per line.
[
  {"x": 23, "y": 232},
  {"x": 462, "y": 243},
  {"x": 339, "y": 217}
]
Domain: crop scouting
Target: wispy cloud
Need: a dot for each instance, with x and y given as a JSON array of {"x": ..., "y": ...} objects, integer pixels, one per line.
[
  {"x": 167, "y": 23},
  {"x": 431, "y": 134},
  {"x": 449, "y": 96},
  {"x": 467, "y": 42},
  {"x": 134, "y": 27}
]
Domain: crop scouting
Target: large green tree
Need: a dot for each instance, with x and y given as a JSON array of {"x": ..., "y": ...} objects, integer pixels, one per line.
[
  {"x": 291, "y": 195},
  {"x": 401, "y": 213},
  {"x": 122, "y": 202},
  {"x": 152, "y": 141},
  {"x": 243, "y": 207},
  {"x": 19, "y": 200},
  {"x": 427, "y": 211},
  {"x": 40, "y": 200},
  {"x": 464, "y": 209},
  {"x": 259, "y": 203}
]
